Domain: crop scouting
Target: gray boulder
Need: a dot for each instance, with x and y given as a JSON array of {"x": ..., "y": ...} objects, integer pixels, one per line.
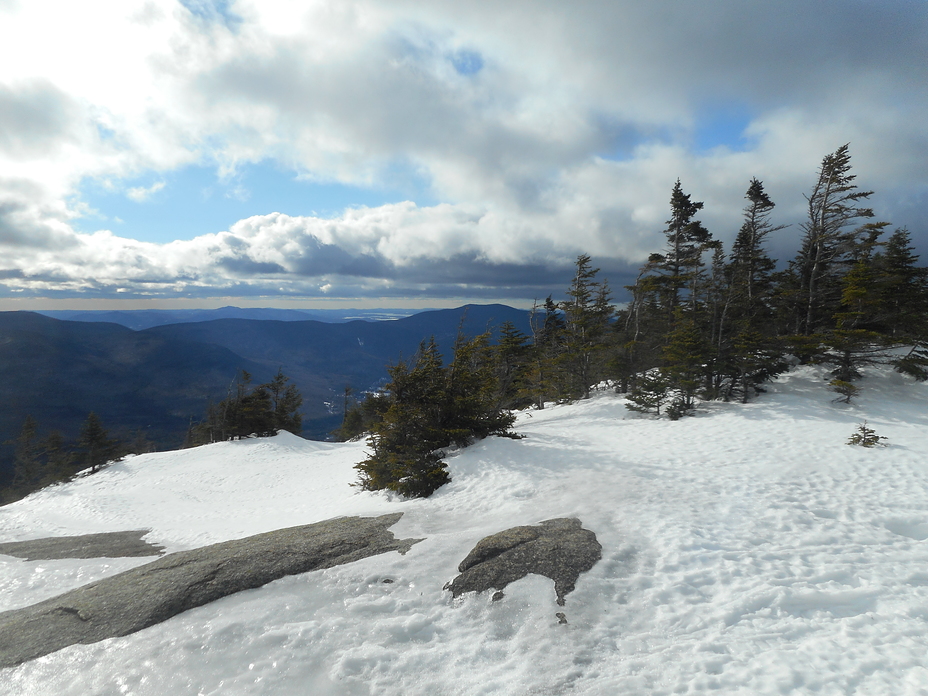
[
  {"x": 559, "y": 549},
  {"x": 149, "y": 594},
  {"x": 104, "y": 545}
]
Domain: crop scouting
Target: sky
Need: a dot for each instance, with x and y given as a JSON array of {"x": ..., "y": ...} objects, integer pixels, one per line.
[{"x": 159, "y": 153}]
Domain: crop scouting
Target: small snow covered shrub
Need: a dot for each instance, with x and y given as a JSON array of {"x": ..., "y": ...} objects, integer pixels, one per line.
[{"x": 866, "y": 437}]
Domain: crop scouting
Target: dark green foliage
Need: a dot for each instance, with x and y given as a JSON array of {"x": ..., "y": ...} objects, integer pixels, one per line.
[
  {"x": 833, "y": 206},
  {"x": 678, "y": 268},
  {"x": 248, "y": 411},
  {"x": 29, "y": 469},
  {"x": 902, "y": 288},
  {"x": 649, "y": 393},
  {"x": 360, "y": 417},
  {"x": 404, "y": 442},
  {"x": 430, "y": 407},
  {"x": 542, "y": 378},
  {"x": 866, "y": 437},
  {"x": 285, "y": 403},
  {"x": 753, "y": 360},
  {"x": 845, "y": 390},
  {"x": 587, "y": 317},
  {"x": 42, "y": 461},
  {"x": 511, "y": 356},
  {"x": 914, "y": 363},
  {"x": 95, "y": 447}
]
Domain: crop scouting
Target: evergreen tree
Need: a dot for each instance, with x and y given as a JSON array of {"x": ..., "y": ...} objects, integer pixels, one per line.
[
  {"x": 95, "y": 445},
  {"x": 60, "y": 458},
  {"x": 650, "y": 392},
  {"x": 28, "y": 467},
  {"x": 833, "y": 206},
  {"x": 542, "y": 376},
  {"x": 684, "y": 368},
  {"x": 285, "y": 404},
  {"x": 587, "y": 315},
  {"x": 428, "y": 408},
  {"x": 511, "y": 356},
  {"x": 678, "y": 268},
  {"x": 749, "y": 266},
  {"x": 902, "y": 287},
  {"x": 470, "y": 409},
  {"x": 247, "y": 411},
  {"x": 404, "y": 444}
]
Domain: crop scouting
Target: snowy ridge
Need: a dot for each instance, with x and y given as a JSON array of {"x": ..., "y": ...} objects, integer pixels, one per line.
[{"x": 746, "y": 550}]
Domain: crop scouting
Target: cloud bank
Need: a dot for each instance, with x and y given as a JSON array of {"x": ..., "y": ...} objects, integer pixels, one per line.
[{"x": 543, "y": 130}]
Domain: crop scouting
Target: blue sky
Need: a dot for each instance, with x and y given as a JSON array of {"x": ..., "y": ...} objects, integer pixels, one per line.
[
  {"x": 184, "y": 152},
  {"x": 182, "y": 204}
]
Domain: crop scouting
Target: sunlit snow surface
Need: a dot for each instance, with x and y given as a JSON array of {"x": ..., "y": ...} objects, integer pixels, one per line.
[{"x": 747, "y": 550}]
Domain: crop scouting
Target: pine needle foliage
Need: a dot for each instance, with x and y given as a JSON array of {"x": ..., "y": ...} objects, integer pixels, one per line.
[
  {"x": 866, "y": 437},
  {"x": 429, "y": 407}
]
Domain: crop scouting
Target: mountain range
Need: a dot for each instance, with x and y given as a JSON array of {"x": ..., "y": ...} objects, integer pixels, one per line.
[{"x": 156, "y": 380}]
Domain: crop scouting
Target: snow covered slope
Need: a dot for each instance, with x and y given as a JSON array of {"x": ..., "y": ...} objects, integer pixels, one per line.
[{"x": 746, "y": 550}]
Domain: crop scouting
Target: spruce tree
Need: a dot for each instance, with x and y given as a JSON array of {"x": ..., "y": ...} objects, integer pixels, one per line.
[
  {"x": 543, "y": 380},
  {"x": 404, "y": 443},
  {"x": 511, "y": 356},
  {"x": 285, "y": 402},
  {"x": 28, "y": 467},
  {"x": 833, "y": 207},
  {"x": 95, "y": 445},
  {"x": 678, "y": 267},
  {"x": 587, "y": 315},
  {"x": 749, "y": 265}
]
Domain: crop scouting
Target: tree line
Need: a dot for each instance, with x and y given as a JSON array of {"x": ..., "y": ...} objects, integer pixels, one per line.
[
  {"x": 41, "y": 460},
  {"x": 701, "y": 323},
  {"x": 248, "y": 410}
]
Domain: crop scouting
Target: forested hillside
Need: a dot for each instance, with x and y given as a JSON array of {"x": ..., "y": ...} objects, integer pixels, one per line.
[
  {"x": 151, "y": 385},
  {"x": 703, "y": 323}
]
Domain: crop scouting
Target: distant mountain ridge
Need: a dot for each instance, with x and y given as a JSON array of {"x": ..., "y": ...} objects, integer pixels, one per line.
[
  {"x": 158, "y": 379},
  {"x": 139, "y": 319}
]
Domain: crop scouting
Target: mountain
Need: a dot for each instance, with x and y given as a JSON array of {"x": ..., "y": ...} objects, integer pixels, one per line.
[
  {"x": 59, "y": 371},
  {"x": 157, "y": 379},
  {"x": 745, "y": 550},
  {"x": 323, "y": 358},
  {"x": 139, "y": 319}
]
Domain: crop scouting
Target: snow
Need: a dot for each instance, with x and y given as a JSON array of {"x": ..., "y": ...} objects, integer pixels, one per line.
[{"x": 746, "y": 550}]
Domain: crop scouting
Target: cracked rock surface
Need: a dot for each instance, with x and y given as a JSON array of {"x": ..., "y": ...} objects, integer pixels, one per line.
[
  {"x": 104, "y": 545},
  {"x": 559, "y": 549},
  {"x": 152, "y": 593}
]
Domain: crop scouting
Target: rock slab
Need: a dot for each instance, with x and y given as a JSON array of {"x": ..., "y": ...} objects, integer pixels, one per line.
[
  {"x": 104, "y": 545},
  {"x": 152, "y": 593},
  {"x": 559, "y": 549}
]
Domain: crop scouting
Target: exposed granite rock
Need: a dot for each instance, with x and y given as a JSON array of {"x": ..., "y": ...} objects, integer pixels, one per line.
[
  {"x": 559, "y": 549},
  {"x": 105, "y": 545},
  {"x": 149, "y": 594}
]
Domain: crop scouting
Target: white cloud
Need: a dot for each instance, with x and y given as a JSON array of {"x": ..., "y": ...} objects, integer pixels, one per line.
[
  {"x": 140, "y": 194},
  {"x": 517, "y": 146}
]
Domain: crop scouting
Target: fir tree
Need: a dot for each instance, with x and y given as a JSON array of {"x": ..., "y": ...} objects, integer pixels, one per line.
[
  {"x": 28, "y": 467},
  {"x": 678, "y": 268},
  {"x": 684, "y": 366},
  {"x": 285, "y": 402},
  {"x": 404, "y": 444},
  {"x": 833, "y": 206},
  {"x": 866, "y": 437},
  {"x": 95, "y": 444},
  {"x": 587, "y": 315},
  {"x": 749, "y": 266},
  {"x": 511, "y": 357}
]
